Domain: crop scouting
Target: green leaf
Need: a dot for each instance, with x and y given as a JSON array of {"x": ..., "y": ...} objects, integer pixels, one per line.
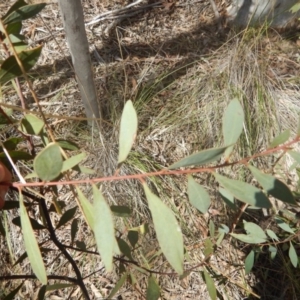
[
  {"x": 220, "y": 239},
  {"x": 295, "y": 155},
  {"x": 13, "y": 293},
  {"x": 272, "y": 235},
  {"x": 11, "y": 205},
  {"x": 233, "y": 122},
  {"x": 124, "y": 248},
  {"x": 12, "y": 143},
  {"x": 118, "y": 285},
  {"x": 198, "y": 196},
  {"x": 273, "y": 251},
  {"x": 34, "y": 223},
  {"x": 228, "y": 198},
  {"x": 10, "y": 69},
  {"x": 298, "y": 128},
  {"x": 84, "y": 170},
  {"x": 67, "y": 145},
  {"x": 44, "y": 165},
  {"x": 244, "y": 191},
  {"x": 210, "y": 285},
  {"x": 133, "y": 237},
  {"x": 42, "y": 293},
  {"x": 293, "y": 255},
  {"x": 103, "y": 229},
  {"x": 86, "y": 207},
  {"x": 74, "y": 229},
  {"x": 167, "y": 230},
  {"x": 81, "y": 245},
  {"x": 254, "y": 229},
  {"x": 72, "y": 161},
  {"x": 31, "y": 245},
  {"x": 16, "y": 155},
  {"x": 273, "y": 186},
  {"x": 121, "y": 211},
  {"x": 66, "y": 217},
  {"x": 31, "y": 124},
  {"x": 200, "y": 158},
  {"x": 249, "y": 239},
  {"x": 128, "y": 130},
  {"x": 14, "y": 28},
  {"x": 15, "y": 6},
  {"x": 283, "y": 225},
  {"x": 23, "y": 13},
  {"x": 295, "y": 8},
  {"x": 153, "y": 290},
  {"x": 255, "y": 235},
  {"x": 280, "y": 139},
  {"x": 249, "y": 262},
  {"x": 208, "y": 248}
]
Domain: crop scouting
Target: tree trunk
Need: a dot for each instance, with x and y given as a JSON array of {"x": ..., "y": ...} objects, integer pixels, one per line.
[
  {"x": 72, "y": 16},
  {"x": 258, "y": 12}
]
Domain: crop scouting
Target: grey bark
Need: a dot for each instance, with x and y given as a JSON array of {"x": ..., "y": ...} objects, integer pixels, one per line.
[
  {"x": 73, "y": 21},
  {"x": 257, "y": 12}
]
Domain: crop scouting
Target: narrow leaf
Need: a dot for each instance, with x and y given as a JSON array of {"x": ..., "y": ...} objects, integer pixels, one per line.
[
  {"x": 293, "y": 255},
  {"x": 283, "y": 225},
  {"x": 273, "y": 186},
  {"x": 118, "y": 285},
  {"x": 42, "y": 293},
  {"x": 280, "y": 139},
  {"x": 249, "y": 239},
  {"x": 249, "y": 262},
  {"x": 67, "y": 145},
  {"x": 244, "y": 191},
  {"x": 295, "y": 155},
  {"x": 228, "y": 198},
  {"x": 66, "y": 217},
  {"x": 72, "y": 161},
  {"x": 31, "y": 124},
  {"x": 103, "y": 229},
  {"x": 198, "y": 196},
  {"x": 272, "y": 235},
  {"x": 167, "y": 230},
  {"x": 15, "y": 6},
  {"x": 133, "y": 237},
  {"x": 153, "y": 290},
  {"x": 44, "y": 165},
  {"x": 10, "y": 69},
  {"x": 34, "y": 223},
  {"x": 31, "y": 245},
  {"x": 121, "y": 211},
  {"x": 23, "y": 13},
  {"x": 128, "y": 130},
  {"x": 13, "y": 293},
  {"x": 233, "y": 121},
  {"x": 210, "y": 286},
  {"x": 74, "y": 229},
  {"x": 86, "y": 208},
  {"x": 200, "y": 158},
  {"x": 124, "y": 248},
  {"x": 254, "y": 230}
]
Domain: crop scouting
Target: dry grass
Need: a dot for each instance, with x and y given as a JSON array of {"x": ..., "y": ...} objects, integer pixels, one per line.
[{"x": 180, "y": 72}]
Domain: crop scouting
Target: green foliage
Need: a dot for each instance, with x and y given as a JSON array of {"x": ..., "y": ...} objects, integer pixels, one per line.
[
  {"x": 198, "y": 195},
  {"x": 128, "y": 130},
  {"x": 56, "y": 160},
  {"x": 31, "y": 245}
]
